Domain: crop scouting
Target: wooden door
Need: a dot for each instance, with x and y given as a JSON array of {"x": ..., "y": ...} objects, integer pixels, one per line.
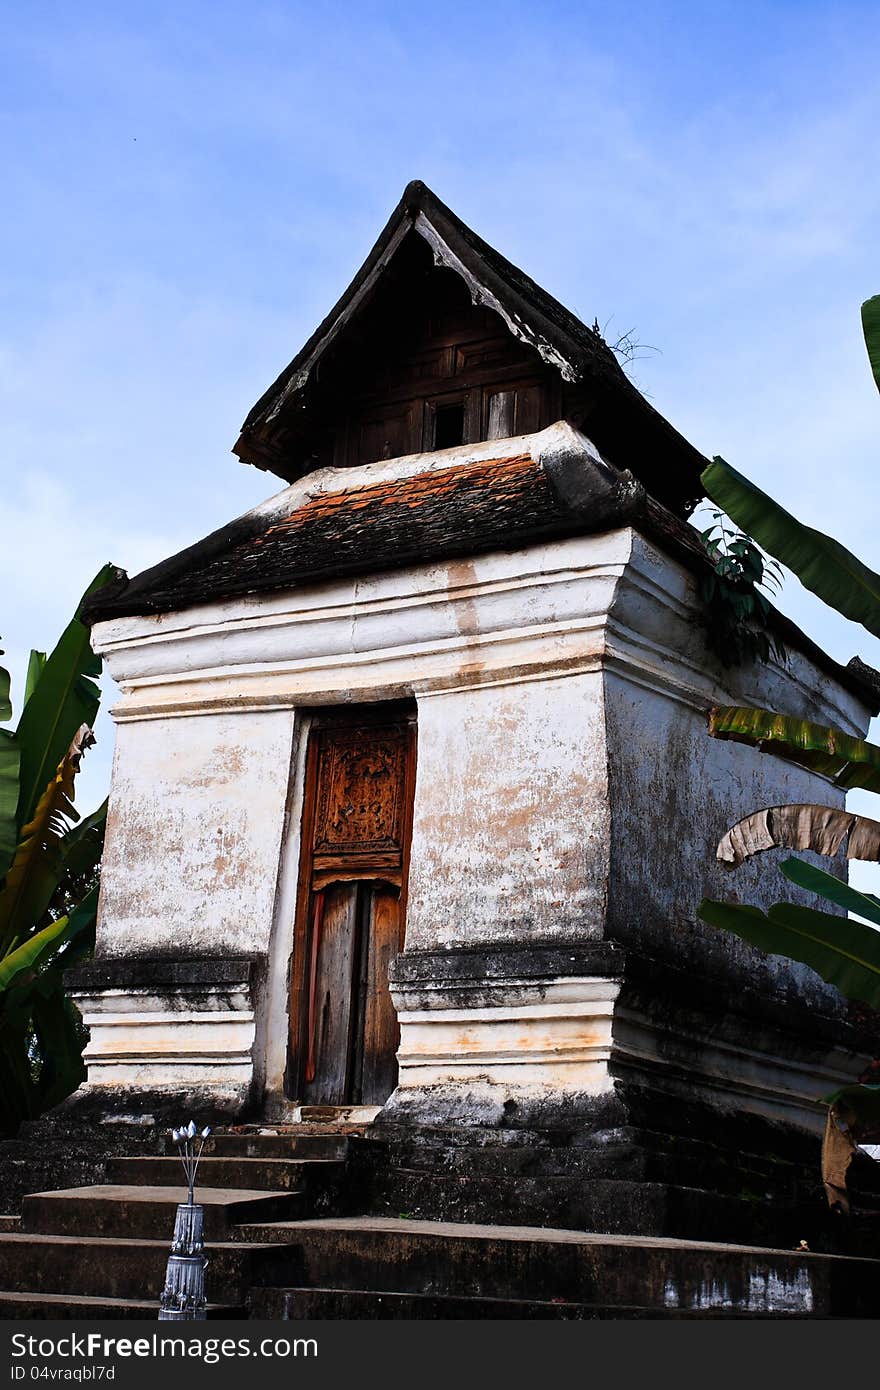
[{"x": 356, "y": 824}]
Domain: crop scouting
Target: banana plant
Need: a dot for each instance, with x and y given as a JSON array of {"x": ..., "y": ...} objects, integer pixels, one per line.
[
  {"x": 48, "y": 863},
  {"x": 844, "y": 951}
]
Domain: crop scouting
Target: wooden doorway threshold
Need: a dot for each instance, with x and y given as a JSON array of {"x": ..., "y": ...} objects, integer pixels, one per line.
[{"x": 335, "y": 1114}]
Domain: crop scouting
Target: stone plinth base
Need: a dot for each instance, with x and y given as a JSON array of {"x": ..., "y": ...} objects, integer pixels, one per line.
[
  {"x": 183, "y": 1029},
  {"x": 593, "y": 1088},
  {"x": 534, "y": 1037}
]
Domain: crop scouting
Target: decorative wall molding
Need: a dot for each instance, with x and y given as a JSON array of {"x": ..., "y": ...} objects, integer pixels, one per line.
[
  {"x": 169, "y": 1040},
  {"x": 507, "y": 617},
  {"x": 528, "y": 1036}
]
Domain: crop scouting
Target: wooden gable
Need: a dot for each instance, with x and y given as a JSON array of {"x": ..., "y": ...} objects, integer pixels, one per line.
[
  {"x": 421, "y": 368},
  {"x": 431, "y": 370},
  {"x": 440, "y": 341}
]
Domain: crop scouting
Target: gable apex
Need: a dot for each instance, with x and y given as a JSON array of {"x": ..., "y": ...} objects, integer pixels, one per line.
[{"x": 592, "y": 389}]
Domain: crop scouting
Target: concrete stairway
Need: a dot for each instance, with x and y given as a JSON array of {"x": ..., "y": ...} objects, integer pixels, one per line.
[
  {"x": 101, "y": 1251},
  {"x": 282, "y": 1247},
  {"x": 380, "y": 1268}
]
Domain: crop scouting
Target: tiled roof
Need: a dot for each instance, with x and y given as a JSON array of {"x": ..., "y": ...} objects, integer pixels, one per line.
[
  {"x": 460, "y": 510},
  {"x": 554, "y": 485}
]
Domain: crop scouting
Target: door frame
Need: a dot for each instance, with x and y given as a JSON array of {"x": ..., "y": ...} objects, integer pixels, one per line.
[{"x": 341, "y": 717}]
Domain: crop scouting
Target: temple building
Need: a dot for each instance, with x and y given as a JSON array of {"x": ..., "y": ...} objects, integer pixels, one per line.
[{"x": 413, "y": 799}]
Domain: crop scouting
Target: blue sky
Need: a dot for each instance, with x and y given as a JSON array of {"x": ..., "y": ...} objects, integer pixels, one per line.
[{"x": 188, "y": 187}]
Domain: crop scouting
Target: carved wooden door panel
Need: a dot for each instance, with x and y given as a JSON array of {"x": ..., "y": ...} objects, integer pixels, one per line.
[{"x": 356, "y": 825}]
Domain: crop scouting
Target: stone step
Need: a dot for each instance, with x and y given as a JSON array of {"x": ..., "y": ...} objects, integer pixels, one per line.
[
  {"x": 543, "y": 1265},
  {"x": 148, "y": 1211},
  {"x": 296, "y": 1305},
  {"x": 636, "y": 1208},
  {"x": 255, "y": 1174},
  {"x": 281, "y": 1144},
  {"x": 620, "y": 1161},
  {"x": 118, "y": 1268},
  {"x": 74, "y": 1307}
]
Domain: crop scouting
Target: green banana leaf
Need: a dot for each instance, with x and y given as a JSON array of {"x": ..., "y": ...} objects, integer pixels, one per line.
[
  {"x": 844, "y": 952},
  {"x": 852, "y": 762},
  {"x": 82, "y": 846},
  {"x": 77, "y": 939},
  {"x": 35, "y": 872},
  {"x": 10, "y": 759},
  {"x": 861, "y": 1102},
  {"x": 41, "y": 1043},
  {"x": 60, "y": 1037},
  {"x": 80, "y": 942},
  {"x": 34, "y": 952},
  {"x": 41, "y": 1032},
  {"x": 833, "y": 890},
  {"x": 19, "y": 1091},
  {"x": 9, "y": 765},
  {"x": 36, "y": 664},
  {"x": 34, "y": 1010},
  {"x": 821, "y": 564},
  {"x": 871, "y": 327},
  {"x": 64, "y": 697}
]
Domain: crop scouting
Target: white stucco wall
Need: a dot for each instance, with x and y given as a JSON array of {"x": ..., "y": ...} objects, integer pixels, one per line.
[
  {"x": 499, "y": 856},
  {"x": 502, "y": 654},
  {"x": 194, "y": 834}
]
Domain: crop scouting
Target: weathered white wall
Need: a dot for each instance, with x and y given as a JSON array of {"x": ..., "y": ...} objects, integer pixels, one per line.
[
  {"x": 511, "y": 826},
  {"x": 194, "y": 835},
  {"x": 566, "y": 789},
  {"x": 539, "y": 1038},
  {"x": 503, "y": 656},
  {"x": 675, "y": 790}
]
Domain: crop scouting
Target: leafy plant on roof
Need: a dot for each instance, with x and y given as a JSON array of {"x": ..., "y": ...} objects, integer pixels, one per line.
[
  {"x": 49, "y": 861},
  {"x": 844, "y": 951},
  {"x": 737, "y": 607}
]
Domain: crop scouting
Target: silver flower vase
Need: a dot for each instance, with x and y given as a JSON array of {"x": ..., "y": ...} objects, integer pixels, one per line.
[{"x": 183, "y": 1297}]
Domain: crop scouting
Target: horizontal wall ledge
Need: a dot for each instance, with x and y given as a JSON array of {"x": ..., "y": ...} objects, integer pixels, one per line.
[{"x": 127, "y": 972}]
